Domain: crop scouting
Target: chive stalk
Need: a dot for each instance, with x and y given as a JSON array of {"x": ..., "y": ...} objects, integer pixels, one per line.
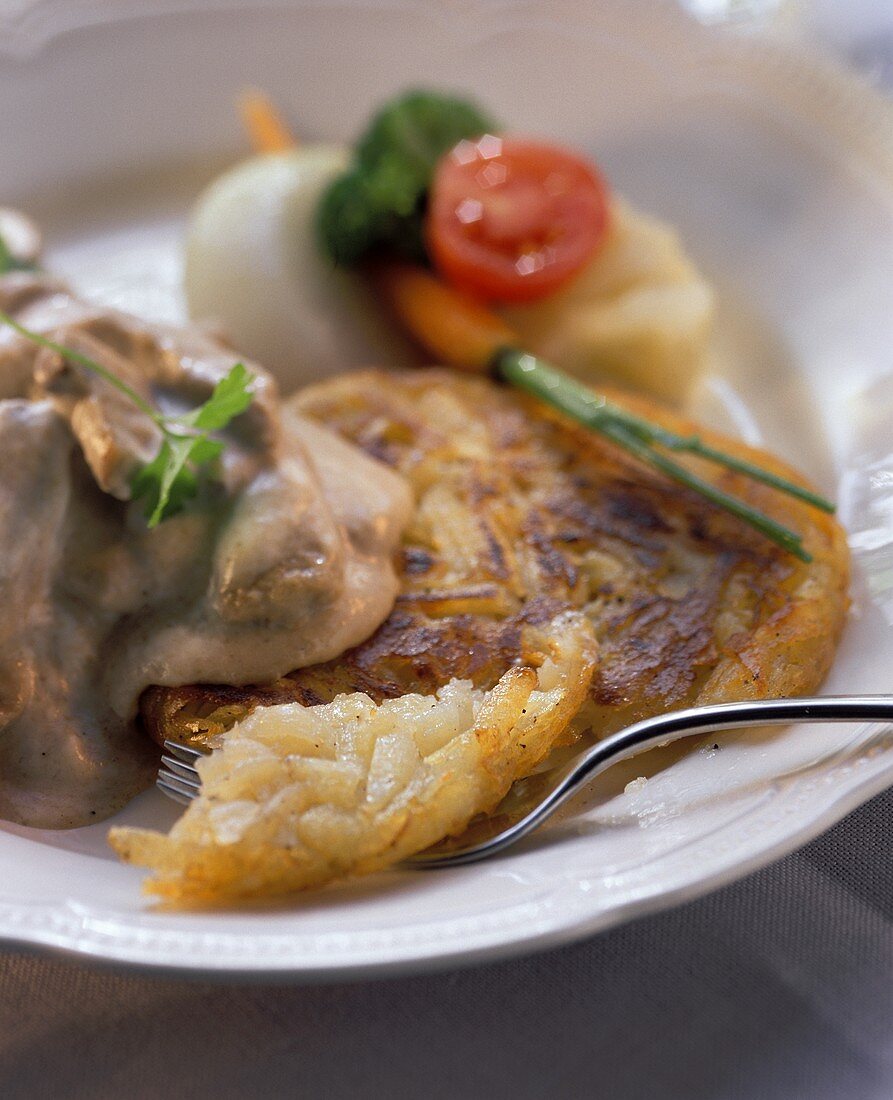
[{"x": 642, "y": 437}]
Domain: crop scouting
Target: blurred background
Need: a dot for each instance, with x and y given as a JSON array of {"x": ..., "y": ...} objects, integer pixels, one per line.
[{"x": 859, "y": 32}]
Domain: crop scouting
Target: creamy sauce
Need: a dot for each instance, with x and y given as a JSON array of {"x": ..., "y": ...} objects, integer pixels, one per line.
[{"x": 285, "y": 563}]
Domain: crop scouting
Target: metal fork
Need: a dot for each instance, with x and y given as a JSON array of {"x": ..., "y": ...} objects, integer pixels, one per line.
[{"x": 179, "y": 779}]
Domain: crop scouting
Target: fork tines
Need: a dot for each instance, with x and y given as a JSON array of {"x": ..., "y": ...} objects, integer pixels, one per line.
[{"x": 177, "y": 777}]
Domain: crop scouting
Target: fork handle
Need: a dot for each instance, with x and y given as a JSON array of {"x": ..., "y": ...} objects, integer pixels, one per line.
[{"x": 661, "y": 730}]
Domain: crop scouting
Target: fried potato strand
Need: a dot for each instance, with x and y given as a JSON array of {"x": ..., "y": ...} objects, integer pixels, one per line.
[{"x": 294, "y": 796}]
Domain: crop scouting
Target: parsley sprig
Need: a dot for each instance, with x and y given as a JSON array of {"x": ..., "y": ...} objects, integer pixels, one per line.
[{"x": 167, "y": 482}]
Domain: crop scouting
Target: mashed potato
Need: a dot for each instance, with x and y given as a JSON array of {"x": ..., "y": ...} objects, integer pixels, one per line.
[{"x": 639, "y": 315}]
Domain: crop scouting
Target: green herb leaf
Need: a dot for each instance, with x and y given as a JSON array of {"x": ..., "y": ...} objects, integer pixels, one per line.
[
  {"x": 171, "y": 479},
  {"x": 230, "y": 397},
  {"x": 380, "y": 201},
  {"x": 165, "y": 483},
  {"x": 205, "y": 451}
]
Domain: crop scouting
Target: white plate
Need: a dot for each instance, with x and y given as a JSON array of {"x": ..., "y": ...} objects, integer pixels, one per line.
[{"x": 778, "y": 171}]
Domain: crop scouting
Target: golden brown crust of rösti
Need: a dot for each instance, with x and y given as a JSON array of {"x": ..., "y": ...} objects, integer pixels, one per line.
[{"x": 520, "y": 511}]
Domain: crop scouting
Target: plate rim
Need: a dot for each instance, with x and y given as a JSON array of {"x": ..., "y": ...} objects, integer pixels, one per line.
[
  {"x": 311, "y": 972},
  {"x": 872, "y": 114}
]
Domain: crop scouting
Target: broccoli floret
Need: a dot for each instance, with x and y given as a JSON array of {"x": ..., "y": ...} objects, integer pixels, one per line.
[{"x": 380, "y": 201}]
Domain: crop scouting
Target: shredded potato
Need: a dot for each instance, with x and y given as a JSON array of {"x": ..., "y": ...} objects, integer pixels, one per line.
[
  {"x": 296, "y": 796},
  {"x": 520, "y": 515}
]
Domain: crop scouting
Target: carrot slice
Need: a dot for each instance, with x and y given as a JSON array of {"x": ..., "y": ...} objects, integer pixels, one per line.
[
  {"x": 266, "y": 128},
  {"x": 450, "y": 326}
]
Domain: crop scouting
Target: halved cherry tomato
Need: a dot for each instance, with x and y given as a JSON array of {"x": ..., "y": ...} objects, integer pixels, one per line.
[{"x": 511, "y": 220}]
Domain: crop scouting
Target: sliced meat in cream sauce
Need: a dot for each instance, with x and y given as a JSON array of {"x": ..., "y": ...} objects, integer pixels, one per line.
[{"x": 284, "y": 561}]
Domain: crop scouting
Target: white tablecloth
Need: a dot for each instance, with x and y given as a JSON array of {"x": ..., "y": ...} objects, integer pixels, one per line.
[{"x": 779, "y": 987}]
